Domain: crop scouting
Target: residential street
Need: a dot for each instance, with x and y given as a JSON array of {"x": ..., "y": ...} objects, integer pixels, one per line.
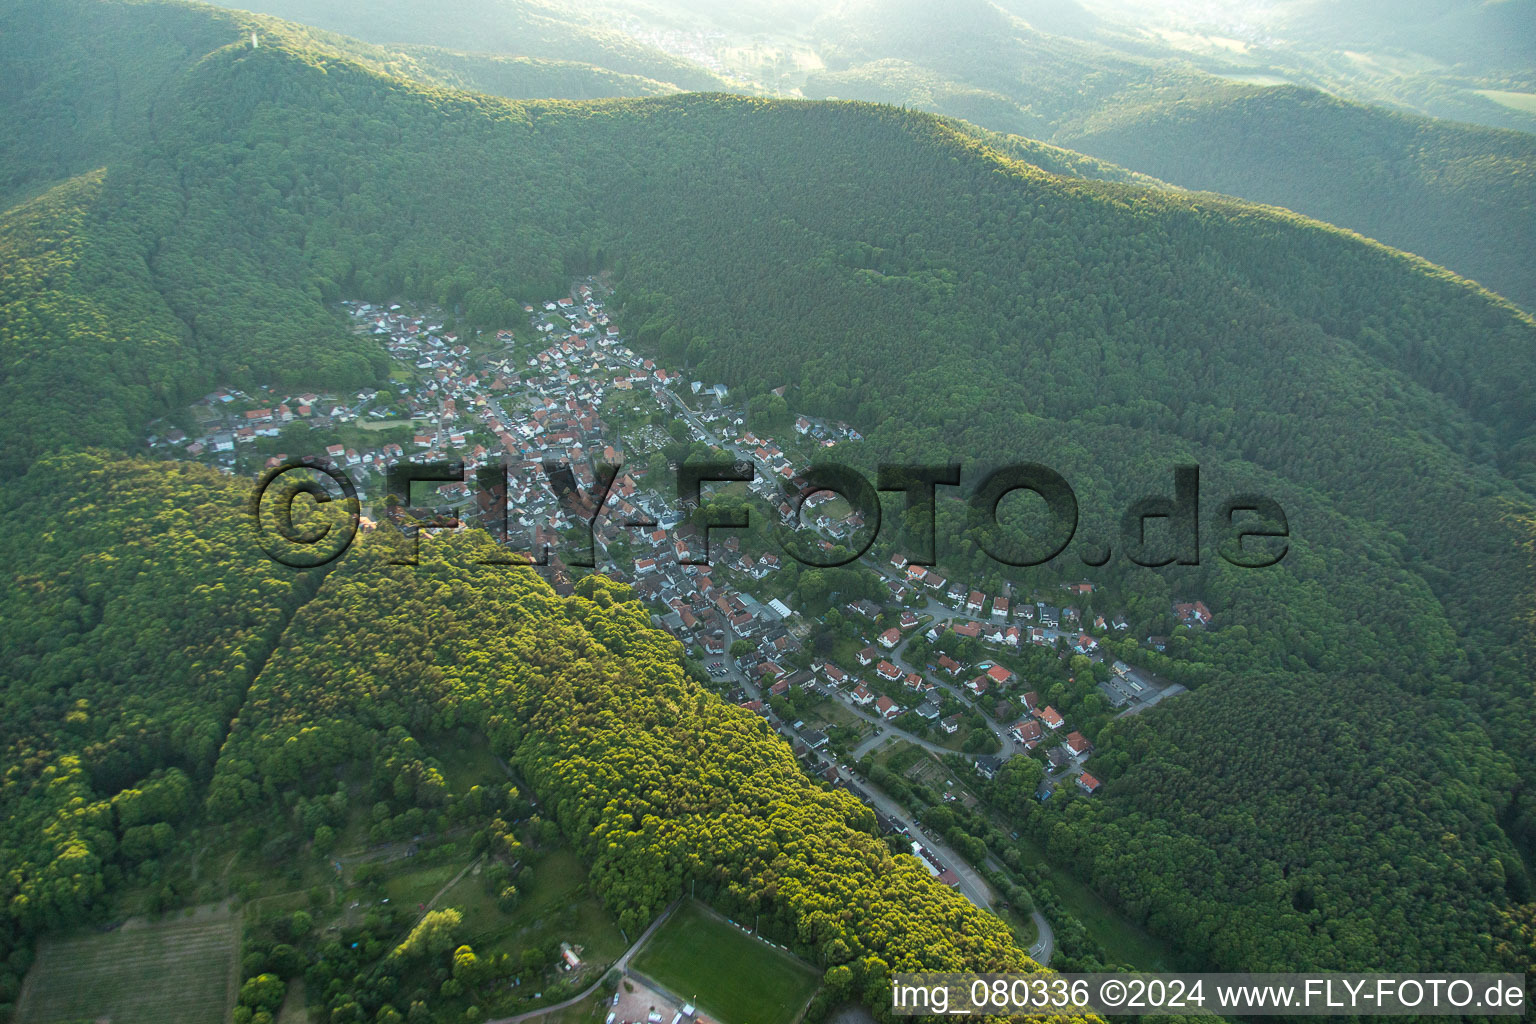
[{"x": 972, "y": 885}]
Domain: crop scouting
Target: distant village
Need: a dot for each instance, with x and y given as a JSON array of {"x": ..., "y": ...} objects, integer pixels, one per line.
[{"x": 563, "y": 395}]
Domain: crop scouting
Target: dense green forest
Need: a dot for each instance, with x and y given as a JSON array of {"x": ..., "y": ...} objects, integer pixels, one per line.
[
  {"x": 125, "y": 56},
  {"x": 1365, "y": 704},
  {"x": 94, "y": 338},
  {"x": 521, "y": 78},
  {"x": 165, "y": 677},
  {"x": 1460, "y": 195},
  {"x": 135, "y": 618},
  {"x": 658, "y": 782},
  {"x": 1457, "y": 194},
  {"x": 1459, "y": 32}
]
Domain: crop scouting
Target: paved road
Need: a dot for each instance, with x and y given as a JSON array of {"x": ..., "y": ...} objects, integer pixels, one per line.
[
  {"x": 876, "y": 740},
  {"x": 972, "y": 886},
  {"x": 1172, "y": 690},
  {"x": 1006, "y": 746},
  {"x": 1045, "y": 937},
  {"x": 621, "y": 964},
  {"x": 893, "y": 732},
  {"x": 943, "y": 614},
  {"x": 1045, "y": 946}
]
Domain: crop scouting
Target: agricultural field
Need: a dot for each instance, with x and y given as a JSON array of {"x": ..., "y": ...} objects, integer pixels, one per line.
[
  {"x": 730, "y": 975},
  {"x": 182, "y": 970}
]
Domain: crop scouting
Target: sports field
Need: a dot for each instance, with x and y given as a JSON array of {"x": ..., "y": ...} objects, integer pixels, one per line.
[
  {"x": 178, "y": 971},
  {"x": 728, "y": 974}
]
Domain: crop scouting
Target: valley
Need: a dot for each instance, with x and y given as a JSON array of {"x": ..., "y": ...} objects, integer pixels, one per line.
[{"x": 432, "y": 780}]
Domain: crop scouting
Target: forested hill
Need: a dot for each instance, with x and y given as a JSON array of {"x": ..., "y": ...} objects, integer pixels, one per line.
[
  {"x": 1458, "y": 194},
  {"x": 522, "y": 77},
  {"x": 103, "y": 67},
  {"x": 78, "y": 82},
  {"x": 528, "y": 28},
  {"x": 1359, "y": 707},
  {"x": 162, "y": 678}
]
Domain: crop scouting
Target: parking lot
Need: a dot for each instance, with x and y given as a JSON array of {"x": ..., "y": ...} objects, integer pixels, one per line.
[
  {"x": 1128, "y": 687},
  {"x": 638, "y": 1003}
]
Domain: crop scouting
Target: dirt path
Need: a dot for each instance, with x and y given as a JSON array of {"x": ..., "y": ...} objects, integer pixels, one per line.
[{"x": 449, "y": 885}]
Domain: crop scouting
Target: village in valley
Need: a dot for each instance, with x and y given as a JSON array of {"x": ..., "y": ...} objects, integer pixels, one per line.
[{"x": 894, "y": 675}]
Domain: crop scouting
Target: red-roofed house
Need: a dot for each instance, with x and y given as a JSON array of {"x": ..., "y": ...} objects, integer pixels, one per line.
[
  {"x": 888, "y": 708},
  {"x": 1196, "y": 614},
  {"x": 1027, "y": 732},
  {"x": 1087, "y": 783},
  {"x": 1050, "y": 718}
]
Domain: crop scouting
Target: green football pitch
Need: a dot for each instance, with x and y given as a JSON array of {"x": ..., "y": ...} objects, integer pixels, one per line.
[{"x": 728, "y": 974}]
